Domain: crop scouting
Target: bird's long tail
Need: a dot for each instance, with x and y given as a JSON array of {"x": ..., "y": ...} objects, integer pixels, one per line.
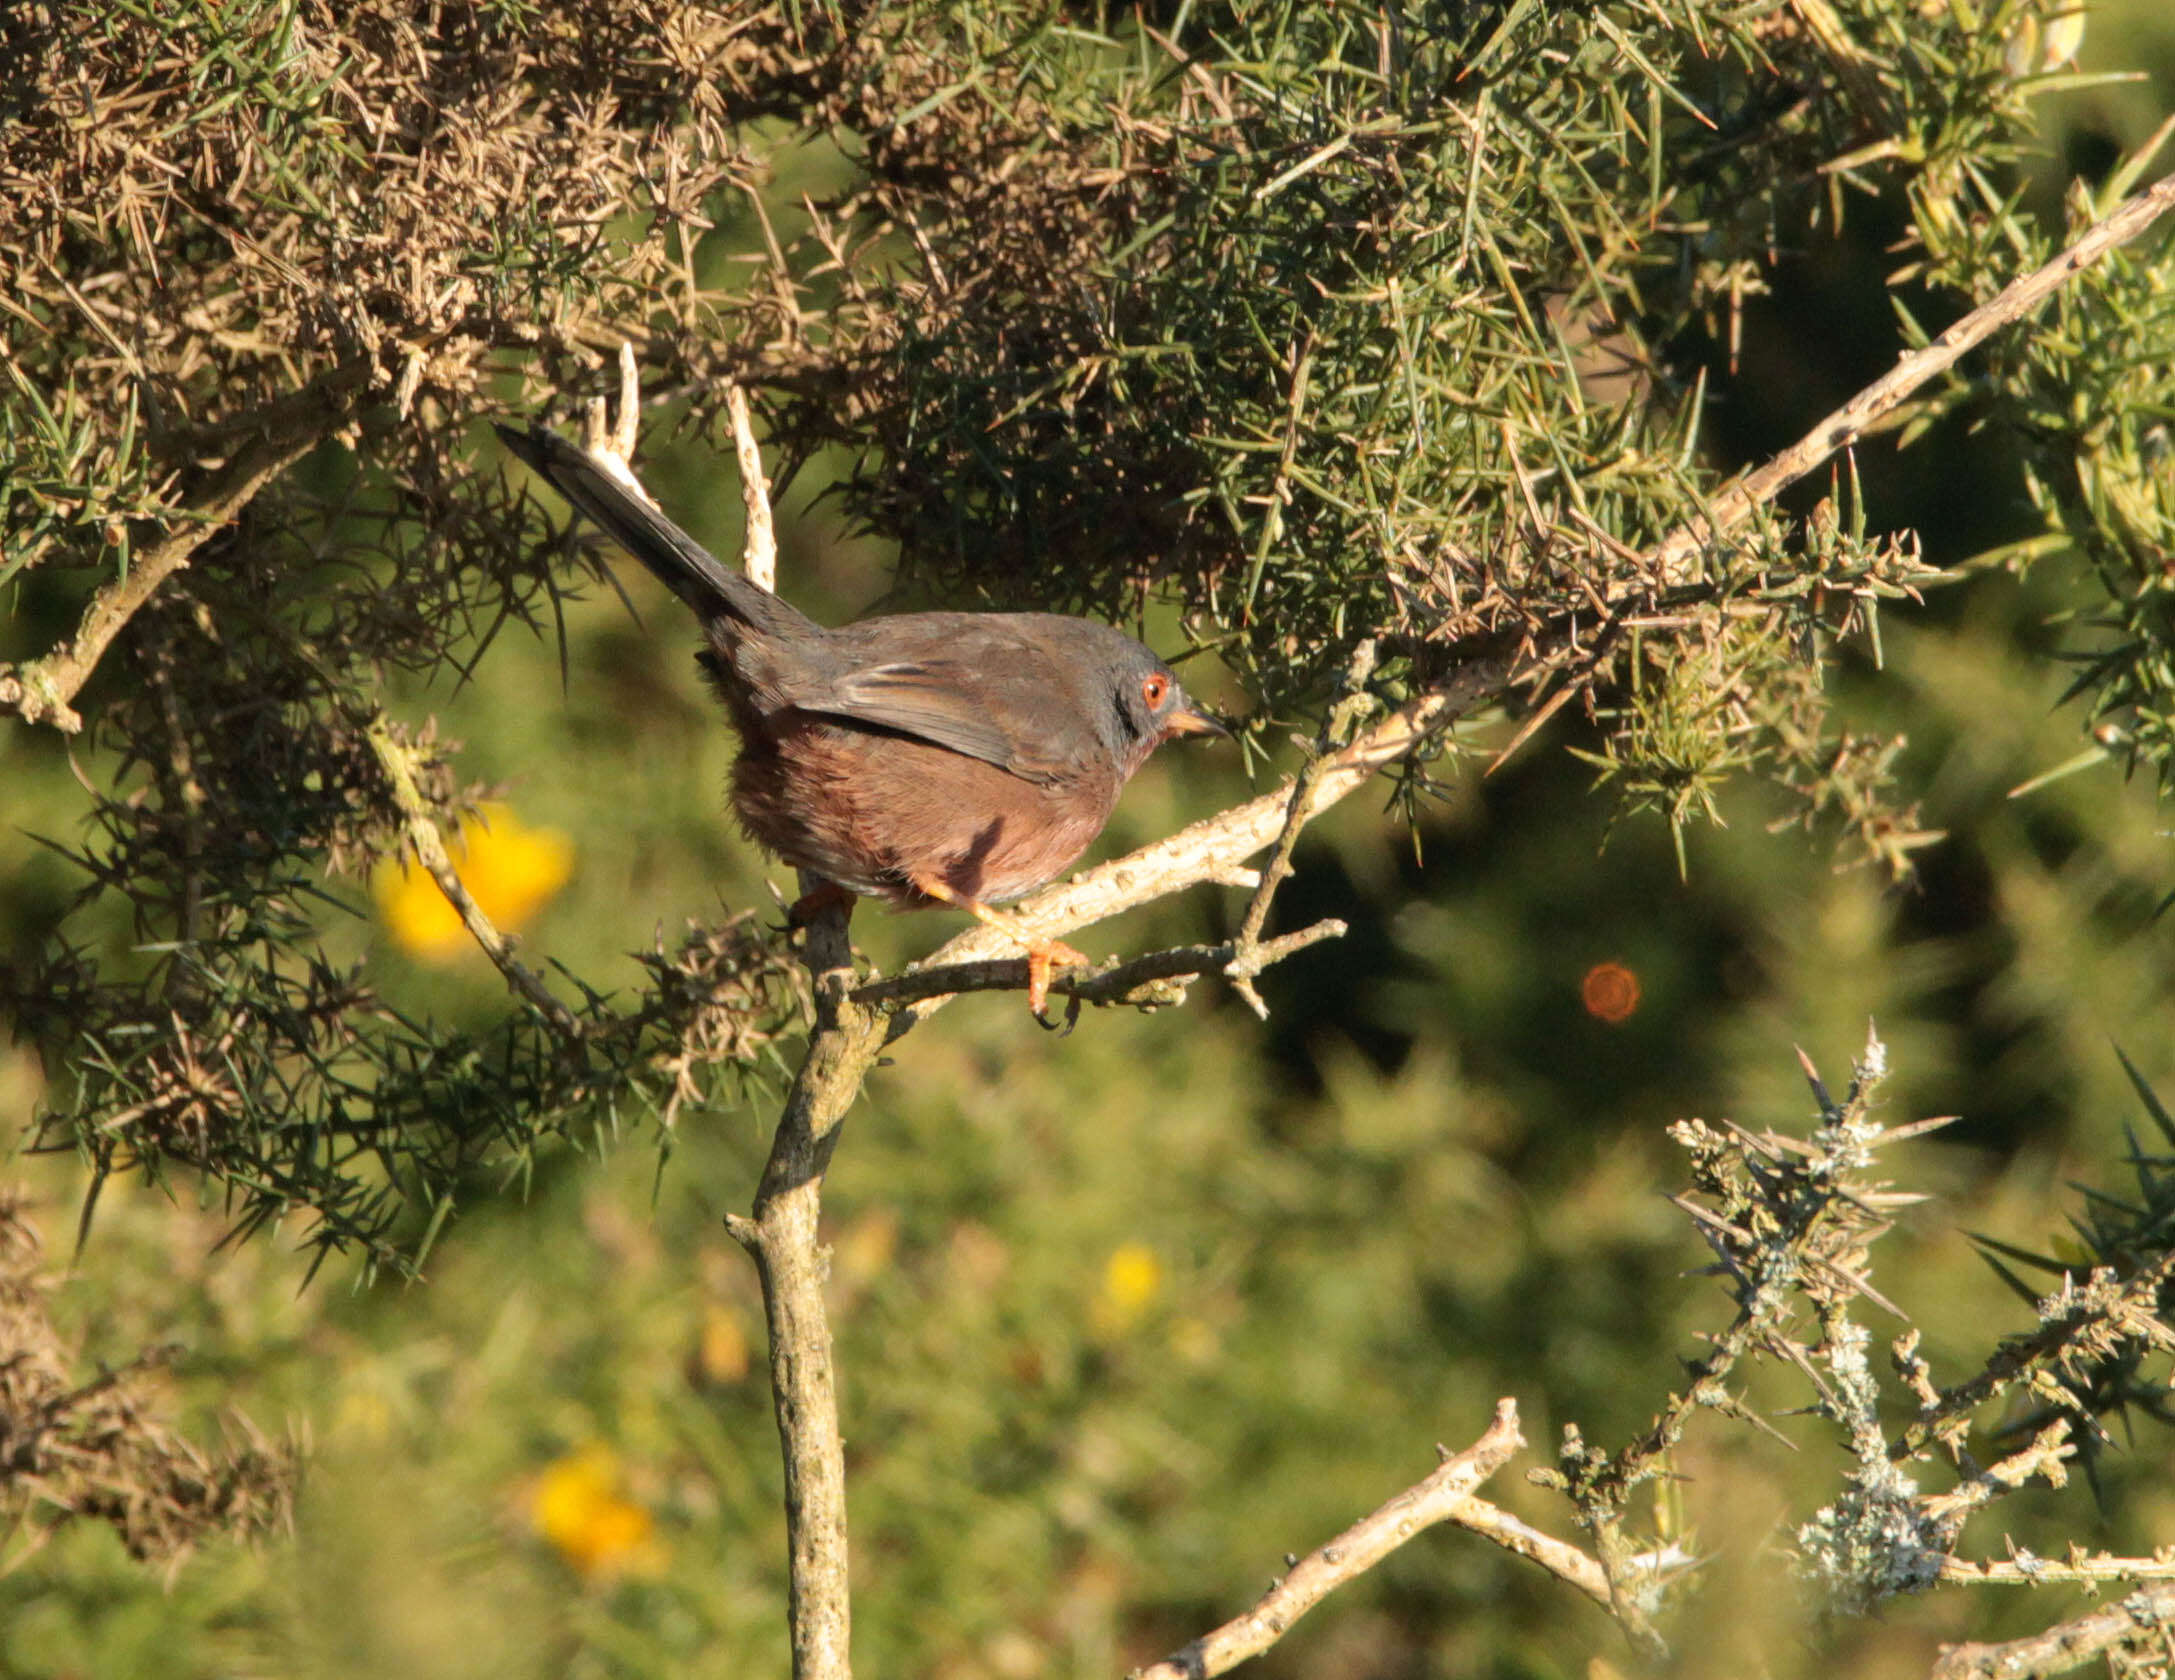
[{"x": 682, "y": 564}]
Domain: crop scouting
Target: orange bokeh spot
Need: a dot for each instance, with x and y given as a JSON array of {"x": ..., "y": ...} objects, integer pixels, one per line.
[{"x": 1610, "y": 992}]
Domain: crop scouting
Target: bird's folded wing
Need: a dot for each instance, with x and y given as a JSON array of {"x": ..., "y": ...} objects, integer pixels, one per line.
[{"x": 943, "y": 703}]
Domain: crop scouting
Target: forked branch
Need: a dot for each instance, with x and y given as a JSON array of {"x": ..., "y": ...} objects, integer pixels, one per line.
[{"x": 1349, "y": 1556}]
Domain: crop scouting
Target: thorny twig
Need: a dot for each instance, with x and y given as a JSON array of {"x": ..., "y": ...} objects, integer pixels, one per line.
[
  {"x": 398, "y": 761},
  {"x": 41, "y": 691},
  {"x": 1839, "y": 430},
  {"x": 1790, "y": 1221},
  {"x": 1245, "y": 962},
  {"x": 2076, "y": 1567},
  {"x": 1146, "y": 982},
  {"x": 2072, "y": 1314},
  {"x": 1666, "y": 565}
]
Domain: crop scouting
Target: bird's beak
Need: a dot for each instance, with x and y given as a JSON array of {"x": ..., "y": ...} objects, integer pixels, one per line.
[{"x": 1188, "y": 720}]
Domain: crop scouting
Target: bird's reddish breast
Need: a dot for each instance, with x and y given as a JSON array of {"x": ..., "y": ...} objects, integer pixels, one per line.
[{"x": 868, "y": 809}]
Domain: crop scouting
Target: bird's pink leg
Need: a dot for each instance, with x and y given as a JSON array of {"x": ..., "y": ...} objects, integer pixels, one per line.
[{"x": 1044, "y": 956}]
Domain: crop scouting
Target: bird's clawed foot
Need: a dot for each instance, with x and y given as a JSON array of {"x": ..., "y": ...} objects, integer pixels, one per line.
[{"x": 1044, "y": 956}]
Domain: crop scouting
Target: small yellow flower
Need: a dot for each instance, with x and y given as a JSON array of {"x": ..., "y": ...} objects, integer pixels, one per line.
[
  {"x": 512, "y": 870},
  {"x": 1132, "y": 1277},
  {"x": 579, "y": 1508}
]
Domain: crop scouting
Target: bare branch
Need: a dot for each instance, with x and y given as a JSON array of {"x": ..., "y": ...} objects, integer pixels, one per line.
[
  {"x": 2084, "y": 1568},
  {"x": 1346, "y": 1558},
  {"x": 1337, "y": 730},
  {"x": 1143, "y": 981},
  {"x": 759, "y": 549},
  {"x": 1847, "y": 424},
  {"x": 2146, "y": 1616},
  {"x": 42, "y": 690},
  {"x": 1560, "y": 1558}
]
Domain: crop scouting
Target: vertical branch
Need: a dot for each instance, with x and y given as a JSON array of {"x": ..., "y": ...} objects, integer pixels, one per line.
[
  {"x": 793, "y": 1266},
  {"x": 1337, "y": 729},
  {"x": 783, "y": 1234}
]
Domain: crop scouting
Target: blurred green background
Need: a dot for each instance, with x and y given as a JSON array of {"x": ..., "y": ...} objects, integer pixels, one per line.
[{"x": 1124, "y": 1317}]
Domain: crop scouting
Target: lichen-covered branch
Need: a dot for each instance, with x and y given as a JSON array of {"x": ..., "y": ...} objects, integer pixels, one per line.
[
  {"x": 791, "y": 1263},
  {"x": 2078, "y": 1320},
  {"x": 2143, "y": 1621}
]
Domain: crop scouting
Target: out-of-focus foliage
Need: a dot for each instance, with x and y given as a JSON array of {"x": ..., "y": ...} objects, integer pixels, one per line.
[{"x": 81, "y": 1447}]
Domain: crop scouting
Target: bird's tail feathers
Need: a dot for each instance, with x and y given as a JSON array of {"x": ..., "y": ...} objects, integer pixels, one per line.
[{"x": 682, "y": 564}]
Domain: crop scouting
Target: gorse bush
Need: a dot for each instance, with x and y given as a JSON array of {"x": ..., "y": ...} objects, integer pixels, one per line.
[{"x": 1369, "y": 354}]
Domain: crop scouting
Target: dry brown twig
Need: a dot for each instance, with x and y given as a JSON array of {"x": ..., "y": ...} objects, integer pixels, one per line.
[{"x": 101, "y": 1448}]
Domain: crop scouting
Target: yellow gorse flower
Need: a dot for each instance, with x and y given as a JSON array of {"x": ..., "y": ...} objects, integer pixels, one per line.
[
  {"x": 579, "y": 1507},
  {"x": 1132, "y": 1278},
  {"x": 513, "y": 871}
]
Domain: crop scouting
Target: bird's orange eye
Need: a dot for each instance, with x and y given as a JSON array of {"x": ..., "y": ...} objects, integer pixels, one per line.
[{"x": 1153, "y": 688}]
